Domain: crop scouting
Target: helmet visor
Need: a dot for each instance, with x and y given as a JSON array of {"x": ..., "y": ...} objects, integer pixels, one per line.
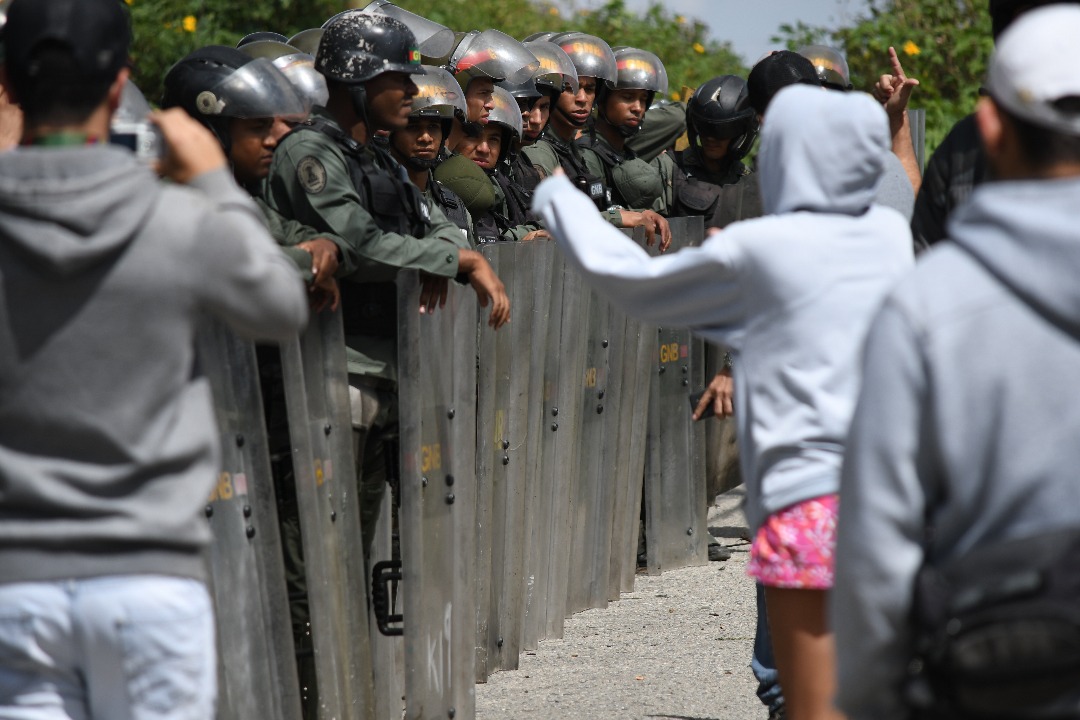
[
  {"x": 506, "y": 112},
  {"x": 257, "y": 90},
  {"x": 133, "y": 105},
  {"x": 433, "y": 39},
  {"x": 439, "y": 94},
  {"x": 640, "y": 70},
  {"x": 496, "y": 55},
  {"x": 556, "y": 68}
]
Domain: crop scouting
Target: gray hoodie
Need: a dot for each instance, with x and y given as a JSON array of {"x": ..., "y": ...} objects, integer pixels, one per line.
[
  {"x": 968, "y": 416},
  {"x": 790, "y": 294},
  {"x": 107, "y": 439}
]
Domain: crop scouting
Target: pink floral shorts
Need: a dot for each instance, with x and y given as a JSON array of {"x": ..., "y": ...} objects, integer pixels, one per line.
[{"x": 794, "y": 547}]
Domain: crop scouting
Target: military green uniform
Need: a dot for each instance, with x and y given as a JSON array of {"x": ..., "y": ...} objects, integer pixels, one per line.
[
  {"x": 635, "y": 184},
  {"x": 663, "y": 125},
  {"x": 550, "y": 151},
  {"x": 324, "y": 179},
  {"x": 311, "y": 181},
  {"x": 289, "y": 234},
  {"x": 725, "y": 197}
]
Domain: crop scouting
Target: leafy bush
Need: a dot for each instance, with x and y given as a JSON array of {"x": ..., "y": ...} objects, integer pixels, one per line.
[{"x": 944, "y": 43}]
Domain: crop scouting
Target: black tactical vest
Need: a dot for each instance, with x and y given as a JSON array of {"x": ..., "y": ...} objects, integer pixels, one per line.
[
  {"x": 574, "y": 165},
  {"x": 396, "y": 205},
  {"x": 450, "y": 203}
]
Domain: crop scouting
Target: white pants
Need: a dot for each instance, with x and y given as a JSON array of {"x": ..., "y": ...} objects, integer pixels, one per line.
[{"x": 111, "y": 648}]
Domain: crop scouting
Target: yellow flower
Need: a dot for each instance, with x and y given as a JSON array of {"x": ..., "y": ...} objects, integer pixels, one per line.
[
  {"x": 699, "y": 48},
  {"x": 553, "y": 10},
  {"x": 911, "y": 48},
  {"x": 129, "y": 1},
  {"x": 190, "y": 23},
  {"x": 681, "y": 19}
]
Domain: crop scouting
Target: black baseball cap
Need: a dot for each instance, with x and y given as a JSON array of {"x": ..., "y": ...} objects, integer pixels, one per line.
[
  {"x": 97, "y": 32},
  {"x": 776, "y": 71}
]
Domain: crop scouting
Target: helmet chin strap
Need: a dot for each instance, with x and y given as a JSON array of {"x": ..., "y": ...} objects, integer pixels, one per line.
[
  {"x": 416, "y": 163},
  {"x": 358, "y": 96}
]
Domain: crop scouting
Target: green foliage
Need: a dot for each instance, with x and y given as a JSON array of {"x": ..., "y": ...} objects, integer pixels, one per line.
[
  {"x": 944, "y": 43},
  {"x": 166, "y": 30}
]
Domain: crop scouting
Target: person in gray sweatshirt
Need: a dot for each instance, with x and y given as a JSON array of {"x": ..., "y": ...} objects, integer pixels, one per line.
[
  {"x": 108, "y": 448},
  {"x": 791, "y": 294},
  {"x": 964, "y": 441}
]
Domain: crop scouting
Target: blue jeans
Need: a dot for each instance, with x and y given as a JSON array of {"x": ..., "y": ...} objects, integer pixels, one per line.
[
  {"x": 762, "y": 663},
  {"x": 111, "y": 648}
]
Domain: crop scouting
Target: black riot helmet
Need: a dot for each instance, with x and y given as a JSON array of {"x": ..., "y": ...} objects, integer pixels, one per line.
[
  {"x": 356, "y": 47},
  {"x": 431, "y": 37},
  {"x": 217, "y": 83},
  {"x": 721, "y": 108},
  {"x": 830, "y": 66}
]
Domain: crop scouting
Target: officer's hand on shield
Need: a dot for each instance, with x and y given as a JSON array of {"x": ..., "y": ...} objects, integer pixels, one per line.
[
  {"x": 324, "y": 257},
  {"x": 537, "y": 235},
  {"x": 654, "y": 223},
  {"x": 433, "y": 291},
  {"x": 487, "y": 285},
  {"x": 719, "y": 394},
  {"x": 190, "y": 149},
  {"x": 324, "y": 294}
]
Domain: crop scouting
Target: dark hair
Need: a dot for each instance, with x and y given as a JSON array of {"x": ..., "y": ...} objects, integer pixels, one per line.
[
  {"x": 1044, "y": 147},
  {"x": 54, "y": 92}
]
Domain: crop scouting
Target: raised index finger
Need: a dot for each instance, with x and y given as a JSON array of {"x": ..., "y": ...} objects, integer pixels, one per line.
[{"x": 898, "y": 69}]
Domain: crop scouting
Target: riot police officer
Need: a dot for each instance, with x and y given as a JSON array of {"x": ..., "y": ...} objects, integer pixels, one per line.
[
  {"x": 249, "y": 105},
  {"x": 327, "y": 174},
  {"x": 535, "y": 98},
  {"x": 421, "y": 145},
  {"x": 721, "y": 126},
  {"x": 620, "y": 113},
  {"x": 595, "y": 63},
  {"x": 493, "y": 150},
  {"x": 477, "y": 62}
]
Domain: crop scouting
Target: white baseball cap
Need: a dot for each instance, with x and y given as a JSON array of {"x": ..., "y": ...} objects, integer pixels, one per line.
[{"x": 1036, "y": 63}]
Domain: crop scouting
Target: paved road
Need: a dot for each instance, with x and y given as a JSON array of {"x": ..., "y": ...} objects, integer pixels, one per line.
[{"x": 677, "y": 648}]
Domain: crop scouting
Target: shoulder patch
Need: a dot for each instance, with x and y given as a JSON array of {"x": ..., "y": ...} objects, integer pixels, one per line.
[{"x": 311, "y": 175}]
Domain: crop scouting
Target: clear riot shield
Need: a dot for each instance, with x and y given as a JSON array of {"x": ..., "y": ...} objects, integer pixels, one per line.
[
  {"x": 256, "y": 659},
  {"x": 602, "y": 396},
  {"x": 320, "y": 426},
  {"x": 387, "y": 651},
  {"x": 437, "y": 408},
  {"x": 546, "y": 313},
  {"x": 564, "y": 366},
  {"x": 503, "y": 472},
  {"x": 638, "y": 341},
  {"x": 675, "y": 502}
]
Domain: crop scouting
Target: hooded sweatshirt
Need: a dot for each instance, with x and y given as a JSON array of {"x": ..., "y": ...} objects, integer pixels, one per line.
[
  {"x": 108, "y": 447},
  {"x": 791, "y": 294},
  {"x": 967, "y": 422}
]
